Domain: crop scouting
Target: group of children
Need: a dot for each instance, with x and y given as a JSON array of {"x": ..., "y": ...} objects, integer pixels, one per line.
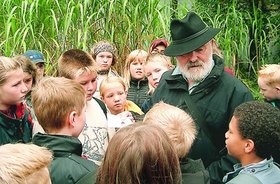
[{"x": 75, "y": 116}]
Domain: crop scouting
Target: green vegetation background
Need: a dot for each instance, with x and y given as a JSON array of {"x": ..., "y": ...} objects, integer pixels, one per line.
[{"x": 249, "y": 36}]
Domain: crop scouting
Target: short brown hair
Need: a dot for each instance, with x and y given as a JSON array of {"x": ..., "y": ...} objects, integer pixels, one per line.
[
  {"x": 259, "y": 121},
  {"x": 53, "y": 98},
  {"x": 24, "y": 163},
  {"x": 178, "y": 125},
  {"x": 140, "y": 153},
  {"x": 74, "y": 62}
]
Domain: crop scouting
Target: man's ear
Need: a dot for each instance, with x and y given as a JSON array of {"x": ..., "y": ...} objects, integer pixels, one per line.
[{"x": 249, "y": 146}]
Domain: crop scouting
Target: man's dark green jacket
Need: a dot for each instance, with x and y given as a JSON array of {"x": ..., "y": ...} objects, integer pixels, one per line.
[{"x": 212, "y": 103}]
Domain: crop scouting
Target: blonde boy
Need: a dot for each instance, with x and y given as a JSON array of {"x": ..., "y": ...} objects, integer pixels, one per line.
[
  {"x": 59, "y": 105},
  {"x": 78, "y": 65},
  {"x": 24, "y": 163},
  {"x": 181, "y": 129},
  {"x": 269, "y": 83}
]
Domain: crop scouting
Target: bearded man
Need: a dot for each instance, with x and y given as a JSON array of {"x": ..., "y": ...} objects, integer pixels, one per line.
[{"x": 200, "y": 86}]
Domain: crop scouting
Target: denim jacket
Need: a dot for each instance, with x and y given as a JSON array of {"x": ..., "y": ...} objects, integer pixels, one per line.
[{"x": 265, "y": 171}]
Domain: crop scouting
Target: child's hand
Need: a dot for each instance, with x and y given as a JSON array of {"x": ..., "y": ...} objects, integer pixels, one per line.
[{"x": 126, "y": 115}]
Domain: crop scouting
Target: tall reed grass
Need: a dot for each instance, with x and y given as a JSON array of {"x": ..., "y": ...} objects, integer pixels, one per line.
[{"x": 53, "y": 26}]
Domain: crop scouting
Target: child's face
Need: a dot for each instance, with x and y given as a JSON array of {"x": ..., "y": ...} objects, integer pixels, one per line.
[
  {"x": 104, "y": 61},
  {"x": 158, "y": 49},
  {"x": 153, "y": 72},
  {"x": 88, "y": 82},
  {"x": 28, "y": 81},
  {"x": 234, "y": 142},
  {"x": 80, "y": 121},
  {"x": 136, "y": 69},
  {"x": 269, "y": 92},
  {"x": 115, "y": 97},
  {"x": 13, "y": 90},
  {"x": 40, "y": 68}
]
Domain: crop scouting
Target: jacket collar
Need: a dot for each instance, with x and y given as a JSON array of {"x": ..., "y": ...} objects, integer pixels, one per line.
[
  {"x": 251, "y": 168},
  {"x": 139, "y": 82},
  {"x": 61, "y": 145}
]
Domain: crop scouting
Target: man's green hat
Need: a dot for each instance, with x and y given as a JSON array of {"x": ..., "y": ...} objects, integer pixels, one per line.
[{"x": 189, "y": 34}]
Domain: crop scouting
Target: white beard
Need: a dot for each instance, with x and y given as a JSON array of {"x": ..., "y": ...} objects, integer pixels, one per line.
[{"x": 198, "y": 73}]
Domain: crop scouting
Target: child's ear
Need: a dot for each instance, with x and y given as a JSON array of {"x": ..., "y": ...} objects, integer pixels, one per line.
[
  {"x": 278, "y": 89},
  {"x": 249, "y": 146},
  {"x": 72, "y": 118},
  {"x": 101, "y": 98}
]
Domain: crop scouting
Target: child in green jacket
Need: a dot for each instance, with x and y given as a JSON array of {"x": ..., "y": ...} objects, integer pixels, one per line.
[
  {"x": 15, "y": 119},
  {"x": 59, "y": 105}
]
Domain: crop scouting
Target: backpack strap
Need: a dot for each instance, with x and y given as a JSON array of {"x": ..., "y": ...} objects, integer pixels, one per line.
[{"x": 102, "y": 105}]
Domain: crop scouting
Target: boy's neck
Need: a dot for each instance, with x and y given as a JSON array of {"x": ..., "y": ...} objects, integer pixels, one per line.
[
  {"x": 64, "y": 131},
  {"x": 250, "y": 159},
  {"x": 4, "y": 107}
]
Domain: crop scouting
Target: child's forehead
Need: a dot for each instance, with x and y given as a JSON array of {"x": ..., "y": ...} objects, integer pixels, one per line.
[
  {"x": 14, "y": 74},
  {"x": 155, "y": 63},
  {"x": 86, "y": 75},
  {"x": 114, "y": 84},
  {"x": 104, "y": 53},
  {"x": 138, "y": 59}
]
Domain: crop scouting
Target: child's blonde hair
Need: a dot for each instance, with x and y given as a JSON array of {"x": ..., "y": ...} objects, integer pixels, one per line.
[
  {"x": 161, "y": 60},
  {"x": 178, "y": 125},
  {"x": 75, "y": 62},
  {"x": 6, "y": 65},
  {"x": 53, "y": 98},
  {"x": 107, "y": 81},
  {"x": 24, "y": 163},
  {"x": 271, "y": 74},
  {"x": 27, "y": 66},
  {"x": 129, "y": 59}
]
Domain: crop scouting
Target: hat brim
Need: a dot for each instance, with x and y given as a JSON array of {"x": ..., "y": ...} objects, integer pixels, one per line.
[
  {"x": 178, "y": 49},
  {"x": 38, "y": 61}
]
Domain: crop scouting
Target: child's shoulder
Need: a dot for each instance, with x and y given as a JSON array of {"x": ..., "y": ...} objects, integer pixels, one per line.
[
  {"x": 71, "y": 164},
  {"x": 97, "y": 103},
  {"x": 245, "y": 178}
]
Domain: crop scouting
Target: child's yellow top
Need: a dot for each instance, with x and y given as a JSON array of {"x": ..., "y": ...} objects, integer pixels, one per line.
[{"x": 131, "y": 106}]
